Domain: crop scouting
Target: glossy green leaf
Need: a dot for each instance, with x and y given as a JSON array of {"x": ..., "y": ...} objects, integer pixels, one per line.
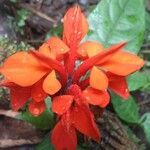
[
  {"x": 145, "y": 123},
  {"x": 44, "y": 121},
  {"x": 113, "y": 21},
  {"x": 127, "y": 110},
  {"x": 137, "y": 81}
]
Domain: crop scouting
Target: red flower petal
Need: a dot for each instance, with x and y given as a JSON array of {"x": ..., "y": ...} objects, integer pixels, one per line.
[
  {"x": 83, "y": 120},
  {"x": 75, "y": 26},
  {"x": 19, "y": 95},
  {"x": 61, "y": 104},
  {"x": 96, "y": 97},
  {"x": 36, "y": 109},
  {"x": 119, "y": 85},
  {"x": 37, "y": 92},
  {"x": 64, "y": 139}
]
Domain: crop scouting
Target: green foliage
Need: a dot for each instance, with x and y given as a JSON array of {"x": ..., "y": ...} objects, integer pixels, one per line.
[
  {"x": 44, "y": 121},
  {"x": 21, "y": 17},
  {"x": 137, "y": 81},
  {"x": 147, "y": 36},
  {"x": 146, "y": 88},
  {"x": 20, "y": 20},
  {"x": 145, "y": 124},
  {"x": 146, "y": 45},
  {"x": 8, "y": 47},
  {"x": 55, "y": 31},
  {"x": 113, "y": 21},
  {"x": 45, "y": 145},
  {"x": 12, "y": 46},
  {"x": 127, "y": 110},
  {"x": 13, "y": 1}
]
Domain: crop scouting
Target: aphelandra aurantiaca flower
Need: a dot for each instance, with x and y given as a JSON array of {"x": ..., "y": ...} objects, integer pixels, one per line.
[{"x": 52, "y": 70}]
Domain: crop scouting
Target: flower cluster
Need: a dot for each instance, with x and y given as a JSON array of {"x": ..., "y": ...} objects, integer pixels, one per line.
[{"x": 75, "y": 74}]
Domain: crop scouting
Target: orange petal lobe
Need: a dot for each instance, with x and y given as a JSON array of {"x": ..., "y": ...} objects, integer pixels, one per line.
[
  {"x": 123, "y": 63},
  {"x": 83, "y": 120},
  {"x": 23, "y": 69},
  {"x": 61, "y": 104},
  {"x": 51, "y": 85},
  {"x": 75, "y": 25},
  {"x": 45, "y": 50},
  {"x": 57, "y": 45},
  {"x": 64, "y": 139},
  {"x": 37, "y": 92},
  {"x": 96, "y": 97},
  {"x": 98, "y": 79},
  {"x": 36, "y": 109},
  {"x": 89, "y": 49}
]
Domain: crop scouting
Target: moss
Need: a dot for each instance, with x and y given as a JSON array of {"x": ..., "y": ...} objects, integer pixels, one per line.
[{"x": 8, "y": 47}]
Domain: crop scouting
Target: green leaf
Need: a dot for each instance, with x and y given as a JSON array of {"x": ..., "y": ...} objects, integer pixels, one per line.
[
  {"x": 127, "y": 110},
  {"x": 21, "y": 17},
  {"x": 44, "y": 121},
  {"x": 147, "y": 17},
  {"x": 55, "y": 31},
  {"x": 145, "y": 123},
  {"x": 137, "y": 81},
  {"x": 113, "y": 21},
  {"x": 45, "y": 145},
  {"x": 147, "y": 34}
]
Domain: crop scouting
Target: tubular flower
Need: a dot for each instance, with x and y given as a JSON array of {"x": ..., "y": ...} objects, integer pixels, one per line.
[
  {"x": 36, "y": 74},
  {"x": 75, "y": 114},
  {"x": 17, "y": 70}
]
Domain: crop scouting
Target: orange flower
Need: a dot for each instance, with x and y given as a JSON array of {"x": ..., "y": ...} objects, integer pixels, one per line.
[
  {"x": 109, "y": 69},
  {"x": 30, "y": 77},
  {"x": 37, "y": 74}
]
